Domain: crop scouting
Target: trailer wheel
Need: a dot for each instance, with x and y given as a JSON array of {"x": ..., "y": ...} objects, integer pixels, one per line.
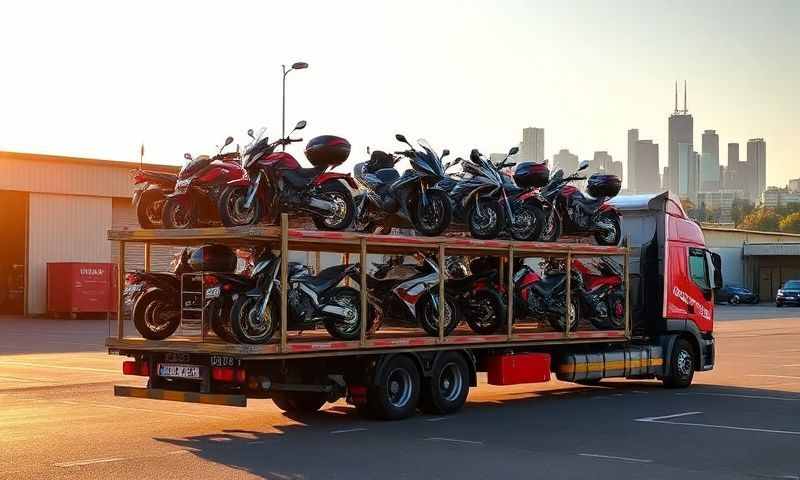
[
  {"x": 298, "y": 402},
  {"x": 446, "y": 390},
  {"x": 396, "y": 391},
  {"x": 681, "y": 365}
]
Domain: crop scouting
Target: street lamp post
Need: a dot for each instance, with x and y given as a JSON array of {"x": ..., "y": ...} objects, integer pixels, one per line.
[{"x": 295, "y": 66}]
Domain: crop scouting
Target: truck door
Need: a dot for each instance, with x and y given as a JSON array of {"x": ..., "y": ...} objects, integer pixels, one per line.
[{"x": 689, "y": 291}]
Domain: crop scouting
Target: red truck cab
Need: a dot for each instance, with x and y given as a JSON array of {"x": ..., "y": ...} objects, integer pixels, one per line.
[{"x": 673, "y": 275}]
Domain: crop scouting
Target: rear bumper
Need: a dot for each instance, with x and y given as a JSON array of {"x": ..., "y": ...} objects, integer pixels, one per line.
[{"x": 178, "y": 396}]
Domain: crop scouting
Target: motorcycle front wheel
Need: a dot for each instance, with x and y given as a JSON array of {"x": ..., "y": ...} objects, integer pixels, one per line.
[
  {"x": 344, "y": 208},
  {"x": 247, "y": 323},
  {"x": 428, "y": 313},
  {"x": 484, "y": 219},
  {"x": 611, "y": 229},
  {"x": 179, "y": 212},
  {"x": 233, "y": 210},
  {"x": 528, "y": 222},
  {"x": 434, "y": 216}
]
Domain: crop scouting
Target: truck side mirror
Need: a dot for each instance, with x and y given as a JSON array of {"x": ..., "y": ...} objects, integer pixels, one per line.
[{"x": 715, "y": 264}]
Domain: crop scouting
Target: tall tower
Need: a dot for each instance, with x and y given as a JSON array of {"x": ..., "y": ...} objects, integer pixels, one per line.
[
  {"x": 532, "y": 146},
  {"x": 757, "y": 163},
  {"x": 681, "y": 131},
  {"x": 709, "y": 162},
  {"x": 633, "y": 167}
]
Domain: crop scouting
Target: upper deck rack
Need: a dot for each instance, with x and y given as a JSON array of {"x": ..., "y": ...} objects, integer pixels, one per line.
[{"x": 288, "y": 239}]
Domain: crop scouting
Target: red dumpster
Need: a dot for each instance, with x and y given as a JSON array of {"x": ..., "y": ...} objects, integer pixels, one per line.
[{"x": 74, "y": 287}]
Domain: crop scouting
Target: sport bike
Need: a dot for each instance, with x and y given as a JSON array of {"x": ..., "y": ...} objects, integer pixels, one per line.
[
  {"x": 153, "y": 298},
  {"x": 408, "y": 200},
  {"x": 602, "y": 294},
  {"x": 544, "y": 296},
  {"x": 151, "y": 191},
  {"x": 478, "y": 294},
  {"x": 276, "y": 183}
]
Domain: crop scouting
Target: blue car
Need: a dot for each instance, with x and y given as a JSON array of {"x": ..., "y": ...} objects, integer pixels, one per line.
[
  {"x": 789, "y": 294},
  {"x": 735, "y": 295}
]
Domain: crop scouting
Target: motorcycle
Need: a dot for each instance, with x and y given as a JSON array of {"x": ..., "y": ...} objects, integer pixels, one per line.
[
  {"x": 491, "y": 201},
  {"x": 411, "y": 200},
  {"x": 602, "y": 294},
  {"x": 149, "y": 197},
  {"x": 200, "y": 183},
  {"x": 544, "y": 296},
  {"x": 570, "y": 212},
  {"x": 408, "y": 294},
  {"x": 153, "y": 298},
  {"x": 255, "y": 314},
  {"x": 275, "y": 183},
  {"x": 478, "y": 294}
]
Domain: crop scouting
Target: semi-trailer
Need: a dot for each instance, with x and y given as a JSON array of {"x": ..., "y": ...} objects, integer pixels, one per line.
[{"x": 669, "y": 277}]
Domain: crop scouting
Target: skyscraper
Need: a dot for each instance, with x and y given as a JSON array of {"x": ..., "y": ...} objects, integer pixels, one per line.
[
  {"x": 649, "y": 178},
  {"x": 681, "y": 131},
  {"x": 566, "y": 161},
  {"x": 633, "y": 167},
  {"x": 532, "y": 147},
  {"x": 757, "y": 163},
  {"x": 709, "y": 162}
]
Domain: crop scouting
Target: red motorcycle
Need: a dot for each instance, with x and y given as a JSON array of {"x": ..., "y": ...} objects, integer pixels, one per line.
[
  {"x": 602, "y": 293},
  {"x": 150, "y": 194},
  {"x": 198, "y": 188},
  {"x": 275, "y": 183}
]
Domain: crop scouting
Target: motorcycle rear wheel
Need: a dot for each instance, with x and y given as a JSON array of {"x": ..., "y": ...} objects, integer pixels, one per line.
[
  {"x": 428, "y": 315},
  {"x": 574, "y": 314},
  {"x": 246, "y": 325},
  {"x": 148, "y": 214},
  {"x": 156, "y": 315},
  {"x": 489, "y": 313},
  {"x": 179, "y": 213},
  {"x": 232, "y": 209},
  {"x": 350, "y": 328},
  {"x": 484, "y": 219},
  {"x": 340, "y": 196},
  {"x": 433, "y": 218},
  {"x": 613, "y": 234}
]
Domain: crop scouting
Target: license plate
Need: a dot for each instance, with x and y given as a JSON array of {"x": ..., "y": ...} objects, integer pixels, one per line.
[
  {"x": 213, "y": 292},
  {"x": 179, "y": 371},
  {"x": 133, "y": 288}
]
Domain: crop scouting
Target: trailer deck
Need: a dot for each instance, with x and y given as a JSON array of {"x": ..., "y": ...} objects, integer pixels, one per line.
[{"x": 318, "y": 342}]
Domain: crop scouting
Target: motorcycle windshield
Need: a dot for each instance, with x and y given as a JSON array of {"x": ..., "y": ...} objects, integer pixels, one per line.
[
  {"x": 195, "y": 165},
  {"x": 427, "y": 161},
  {"x": 555, "y": 183}
]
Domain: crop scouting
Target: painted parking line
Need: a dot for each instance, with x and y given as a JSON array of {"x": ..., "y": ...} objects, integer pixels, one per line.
[
  {"x": 763, "y": 375},
  {"x": 453, "y": 440},
  {"x": 612, "y": 457},
  {"x": 61, "y": 367},
  {"x": 436, "y": 419},
  {"x": 734, "y": 395},
  {"x": 78, "y": 463},
  {"x": 664, "y": 420},
  {"x": 348, "y": 430}
]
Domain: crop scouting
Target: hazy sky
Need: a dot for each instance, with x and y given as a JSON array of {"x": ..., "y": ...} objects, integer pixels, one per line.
[{"x": 96, "y": 79}]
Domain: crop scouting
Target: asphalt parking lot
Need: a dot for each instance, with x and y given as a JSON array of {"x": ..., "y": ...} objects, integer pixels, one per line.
[{"x": 59, "y": 419}]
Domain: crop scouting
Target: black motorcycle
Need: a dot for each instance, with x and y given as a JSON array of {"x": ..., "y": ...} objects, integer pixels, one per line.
[
  {"x": 409, "y": 294},
  {"x": 411, "y": 200},
  {"x": 478, "y": 295},
  {"x": 568, "y": 211},
  {"x": 544, "y": 296},
  {"x": 488, "y": 201},
  {"x": 255, "y": 313},
  {"x": 153, "y": 298}
]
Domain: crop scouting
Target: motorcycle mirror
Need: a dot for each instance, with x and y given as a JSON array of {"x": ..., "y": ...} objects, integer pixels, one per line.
[
  {"x": 513, "y": 151},
  {"x": 367, "y": 149},
  {"x": 583, "y": 165},
  {"x": 300, "y": 125},
  {"x": 250, "y": 133},
  {"x": 187, "y": 156},
  {"x": 401, "y": 138},
  {"x": 457, "y": 160},
  {"x": 228, "y": 141},
  {"x": 445, "y": 153}
]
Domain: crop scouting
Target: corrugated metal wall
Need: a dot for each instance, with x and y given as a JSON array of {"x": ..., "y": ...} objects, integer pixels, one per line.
[
  {"x": 124, "y": 217},
  {"x": 64, "y": 228}
]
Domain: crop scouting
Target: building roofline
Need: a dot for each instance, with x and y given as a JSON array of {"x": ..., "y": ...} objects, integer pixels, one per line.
[
  {"x": 40, "y": 157},
  {"x": 739, "y": 230}
]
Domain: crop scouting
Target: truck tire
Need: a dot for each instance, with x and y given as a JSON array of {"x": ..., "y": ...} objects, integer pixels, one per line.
[
  {"x": 396, "y": 391},
  {"x": 681, "y": 365},
  {"x": 298, "y": 402},
  {"x": 446, "y": 390}
]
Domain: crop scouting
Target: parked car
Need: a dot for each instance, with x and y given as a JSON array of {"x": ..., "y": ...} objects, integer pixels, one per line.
[
  {"x": 735, "y": 294},
  {"x": 789, "y": 294}
]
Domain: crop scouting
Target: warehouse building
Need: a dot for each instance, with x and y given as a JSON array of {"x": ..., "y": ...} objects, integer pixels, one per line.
[{"x": 58, "y": 209}]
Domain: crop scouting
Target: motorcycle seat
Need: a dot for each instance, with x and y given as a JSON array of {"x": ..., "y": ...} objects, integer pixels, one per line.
[
  {"x": 466, "y": 283},
  {"x": 160, "y": 177},
  {"x": 549, "y": 283},
  {"x": 300, "y": 176},
  {"x": 387, "y": 175},
  {"x": 325, "y": 280}
]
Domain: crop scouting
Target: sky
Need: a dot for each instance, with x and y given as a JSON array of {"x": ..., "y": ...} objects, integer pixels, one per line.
[{"x": 97, "y": 79}]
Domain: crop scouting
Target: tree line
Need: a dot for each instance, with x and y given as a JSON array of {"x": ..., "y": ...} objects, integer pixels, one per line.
[{"x": 747, "y": 216}]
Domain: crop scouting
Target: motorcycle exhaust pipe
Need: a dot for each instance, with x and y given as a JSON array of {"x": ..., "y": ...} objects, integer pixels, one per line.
[
  {"x": 323, "y": 206},
  {"x": 335, "y": 311}
]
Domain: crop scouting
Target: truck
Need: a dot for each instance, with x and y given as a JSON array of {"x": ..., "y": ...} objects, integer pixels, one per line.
[{"x": 669, "y": 281}]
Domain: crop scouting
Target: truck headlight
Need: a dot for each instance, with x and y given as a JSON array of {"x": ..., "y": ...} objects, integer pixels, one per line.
[{"x": 780, "y": 293}]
